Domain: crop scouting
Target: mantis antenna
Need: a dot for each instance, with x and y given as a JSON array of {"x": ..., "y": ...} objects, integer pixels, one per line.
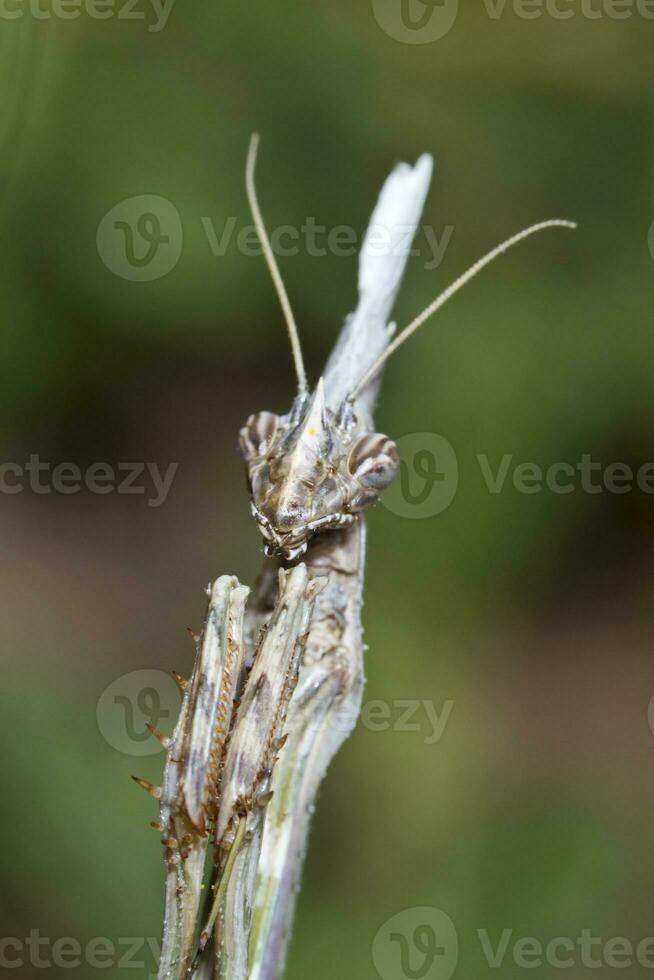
[
  {"x": 447, "y": 294},
  {"x": 272, "y": 264}
]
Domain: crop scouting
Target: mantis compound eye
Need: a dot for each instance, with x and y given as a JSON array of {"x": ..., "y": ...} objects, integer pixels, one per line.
[
  {"x": 258, "y": 434},
  {"x": 373, "y": 461}
]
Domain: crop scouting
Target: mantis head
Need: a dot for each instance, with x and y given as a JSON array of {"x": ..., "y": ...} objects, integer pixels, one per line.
[{"x": 311, "y": 471}]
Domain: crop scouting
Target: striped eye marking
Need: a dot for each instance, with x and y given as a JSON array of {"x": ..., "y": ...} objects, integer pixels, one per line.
[
  {"x": 374, "y": 461},
  {"x": 258, "y": 434}
]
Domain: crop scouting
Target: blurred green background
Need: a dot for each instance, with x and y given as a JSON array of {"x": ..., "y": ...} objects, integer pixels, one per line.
[{"x": 531, "y": 613}]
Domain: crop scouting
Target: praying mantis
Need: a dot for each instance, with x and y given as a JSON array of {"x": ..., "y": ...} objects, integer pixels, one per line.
[{"x": 278, "y": 676}]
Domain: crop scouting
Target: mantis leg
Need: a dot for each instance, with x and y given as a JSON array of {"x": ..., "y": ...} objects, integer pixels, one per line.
[
  {"x": 256, "y": 741},
  {"x": 189, "y": 793}
]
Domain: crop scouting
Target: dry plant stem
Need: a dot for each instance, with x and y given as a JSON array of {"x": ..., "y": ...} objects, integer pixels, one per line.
[
  {"x": 301, "y": 633},
  {"x": 193, "y": 758},
  {"x": 251, "y": 759},
  {"x": 327, "y": 702},
  {"x": 323, "y": 712}
]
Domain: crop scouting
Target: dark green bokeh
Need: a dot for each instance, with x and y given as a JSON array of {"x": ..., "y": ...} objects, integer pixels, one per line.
[{"x": 529, "y": 611}]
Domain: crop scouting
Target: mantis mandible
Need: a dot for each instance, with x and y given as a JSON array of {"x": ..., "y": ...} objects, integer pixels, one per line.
[{"x": 278, "y": 677}]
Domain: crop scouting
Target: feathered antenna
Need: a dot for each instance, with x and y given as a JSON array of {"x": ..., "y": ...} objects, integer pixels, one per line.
[
  {"x": 272, "y": 264},
  {"x": 447, "y": 294}
]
